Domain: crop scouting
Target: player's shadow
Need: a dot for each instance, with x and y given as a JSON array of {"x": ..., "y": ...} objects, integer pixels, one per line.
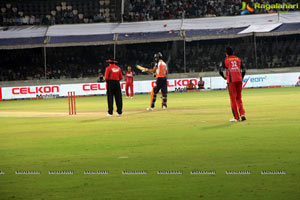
[
  {"x": 93, "y": 120},
  {"x": 115, "y": 116},
  {"x": 217, "y": 126}
]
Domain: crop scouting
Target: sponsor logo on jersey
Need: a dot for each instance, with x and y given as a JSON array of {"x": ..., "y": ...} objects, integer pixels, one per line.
[{"x": 115, "y": 70}]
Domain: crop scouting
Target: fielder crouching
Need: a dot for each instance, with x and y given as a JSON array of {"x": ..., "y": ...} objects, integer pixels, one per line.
[{"x": 113, "y": 75}]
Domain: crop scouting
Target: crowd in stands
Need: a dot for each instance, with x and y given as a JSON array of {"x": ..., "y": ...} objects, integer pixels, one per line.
[
  {"x": 21, "y": 64},
  {"x": 201, "y": 56},
  {"x": 51, "y": 12},
  {"x": 89, "y": 61},
  {"x": 144, "y": 10}
]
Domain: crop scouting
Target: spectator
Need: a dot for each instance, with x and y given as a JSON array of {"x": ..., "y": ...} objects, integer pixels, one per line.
[
  {"x": 32, "y": 20},
  {"x": 201, "y": 84},
  {"x": 190, "y": 86},
  {"x": 45, "y": 20},
  {"x": 19, "y": 20}
]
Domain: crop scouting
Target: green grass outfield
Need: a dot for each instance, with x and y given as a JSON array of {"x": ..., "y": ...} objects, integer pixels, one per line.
[{"x": 193, "y": 134}]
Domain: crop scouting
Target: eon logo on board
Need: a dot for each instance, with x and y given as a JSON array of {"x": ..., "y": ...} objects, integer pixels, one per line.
[
  {"x": 259, "y": 79},
  {"x": 35, "y": 90}
]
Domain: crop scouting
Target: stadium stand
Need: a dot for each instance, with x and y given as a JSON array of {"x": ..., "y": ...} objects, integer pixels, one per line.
[
  {"x": 139, "y": 10},
  {"x": 51, "y": 12},
  {"x": 144, "y": 10},
  {"x": 204, "y": 55}
]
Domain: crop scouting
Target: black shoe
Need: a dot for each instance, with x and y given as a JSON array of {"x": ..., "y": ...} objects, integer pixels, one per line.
[{"x": 243, "y": 118}]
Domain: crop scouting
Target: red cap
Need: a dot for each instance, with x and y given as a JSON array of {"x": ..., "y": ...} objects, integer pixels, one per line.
[{"x": 112, "y": 61}]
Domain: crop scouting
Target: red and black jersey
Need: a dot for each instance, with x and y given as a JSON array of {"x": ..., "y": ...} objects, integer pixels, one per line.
[
  {"x": 113, "y": 72},
  {"x": 235, "y": 70},
  {"x": 129, "y": 77}
]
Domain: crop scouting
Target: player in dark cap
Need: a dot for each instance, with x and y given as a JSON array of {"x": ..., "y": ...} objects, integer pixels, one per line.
[
  {"x": 113, "y": 75},
  {"x": 161, "y": 70}
]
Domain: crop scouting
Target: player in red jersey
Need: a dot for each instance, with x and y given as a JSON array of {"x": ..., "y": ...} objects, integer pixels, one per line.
[
  {"x": 298, "y": 83},
  {"x": 235, "y": 72},
  {"x": 129, "y": 82},
  {"x": 113, "y": 75}
]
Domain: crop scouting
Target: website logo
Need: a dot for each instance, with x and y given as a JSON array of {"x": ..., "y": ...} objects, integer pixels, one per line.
[
  {"x": 276, "y": 6},
  {"x": 246, "y": 9},
  {"x": 267, "y": 7}
]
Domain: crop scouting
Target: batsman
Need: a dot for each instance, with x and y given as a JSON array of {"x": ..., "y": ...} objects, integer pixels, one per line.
[{"x": 161, "y": 70}]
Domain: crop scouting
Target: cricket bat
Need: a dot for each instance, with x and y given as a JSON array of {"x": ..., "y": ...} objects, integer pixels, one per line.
[{"x": 143, "y": 69}]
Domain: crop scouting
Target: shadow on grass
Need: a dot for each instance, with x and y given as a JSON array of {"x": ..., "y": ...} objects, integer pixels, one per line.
[
  {"x": 225, "y": 125},
  {"x": 93, "y": 120},
  {"x": 124, "y": 116}
]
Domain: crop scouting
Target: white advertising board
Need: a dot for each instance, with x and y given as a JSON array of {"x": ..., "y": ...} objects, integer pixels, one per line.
[{"x": 86, "y": 89}]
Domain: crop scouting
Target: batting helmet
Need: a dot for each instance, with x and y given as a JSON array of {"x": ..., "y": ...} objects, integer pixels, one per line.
[{"x": 158, "y": 55}]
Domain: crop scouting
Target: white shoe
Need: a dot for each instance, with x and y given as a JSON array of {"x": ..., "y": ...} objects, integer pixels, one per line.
[
  {"x": 150, "y": 109},
  {"x": 109, "y": 115},
  {"x": 164, "y": 107},
  {"x": 119, "y": 115},
  {"x": 234, "y": 120},
  {"x": 127, "y": 97},
  {"x": 131, "y": 97}
]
